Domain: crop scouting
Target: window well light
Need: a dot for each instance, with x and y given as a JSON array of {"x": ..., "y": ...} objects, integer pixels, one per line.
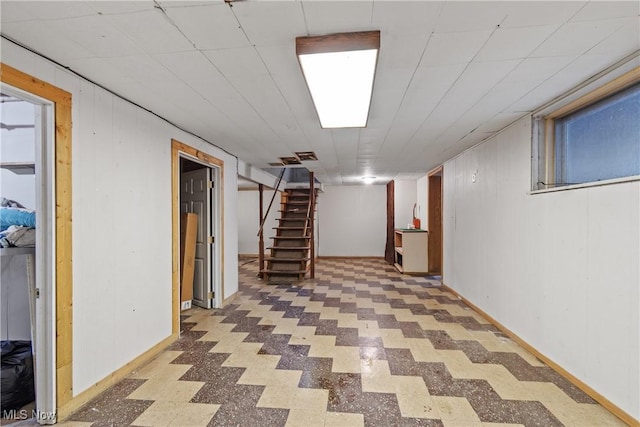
[{"x": 339, "y": 70}]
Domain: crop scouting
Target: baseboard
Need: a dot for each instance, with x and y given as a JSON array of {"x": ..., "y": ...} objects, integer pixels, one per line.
[
  {"x": 229, "y": 300},
  {"x": 614, "y": 409},
  {"x": 93, "y": 391}
]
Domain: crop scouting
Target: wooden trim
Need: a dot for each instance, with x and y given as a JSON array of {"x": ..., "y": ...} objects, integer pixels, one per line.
[
  {"x": 390, "y": 248},
  {"x": 362, "y": 40},
  {"x": 178, "y": 147},
  {"x": 622, "y": 82},
  {"x": 63, "y": 225},
  {"x": 614, "y": 409},
  {"x": 435, "y": 215},
  {"x": 111, "y": 379}
]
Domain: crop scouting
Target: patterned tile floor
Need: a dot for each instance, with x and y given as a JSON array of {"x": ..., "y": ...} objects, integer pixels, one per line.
[{"x": 359, "y": 345}]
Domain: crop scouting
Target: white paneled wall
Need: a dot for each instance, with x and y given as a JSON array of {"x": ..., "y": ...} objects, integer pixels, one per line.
[
  {"x": 18, "y": 145},
  {"x": 352, "y": 220},
  {"x": 559, "y": 269},
  {"x": 404, "y": 191},
  {"x": 122, "y": 222},
  {"x": 421, "y": 200},
  {"x": 249, "y": 223}
]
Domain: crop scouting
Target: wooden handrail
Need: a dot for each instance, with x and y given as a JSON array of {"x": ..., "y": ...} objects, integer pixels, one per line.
[
  {"x": 311, "y": 216},
  {"x": 275, "y": 190},
  {"x": 263, "y": 219}
]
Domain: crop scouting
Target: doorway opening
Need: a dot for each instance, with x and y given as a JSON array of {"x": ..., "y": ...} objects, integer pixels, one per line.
[
  {"x": 435, "y": 220},
  {"x": 197, "y": 190},
  {"x": 28, "y": 254}
]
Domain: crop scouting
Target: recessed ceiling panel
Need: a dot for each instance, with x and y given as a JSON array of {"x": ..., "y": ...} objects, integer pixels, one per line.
[{"x": 209, "y": 27}]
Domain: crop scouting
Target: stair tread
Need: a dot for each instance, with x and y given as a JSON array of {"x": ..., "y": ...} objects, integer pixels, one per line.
[
  {"x": 283, "y": 271},
  {"x": 288, "y": 228},
  {"x": 290, "y": 248},
  {"x": 284, "y": 259},
  {"x": 290, "y": 237}
]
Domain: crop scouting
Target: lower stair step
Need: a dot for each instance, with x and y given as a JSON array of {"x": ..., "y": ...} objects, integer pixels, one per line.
[
  {"x": 286, "y": 259},
  {"x": 289, "y": 248},
  {"x": 284, "y": 272}
]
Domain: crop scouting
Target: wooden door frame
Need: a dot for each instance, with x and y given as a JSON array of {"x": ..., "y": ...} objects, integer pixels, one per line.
[
  {"x": 178, "y": 148},
  {"x": 61, "y": 100},
  {"x": 440, "y": 172}
]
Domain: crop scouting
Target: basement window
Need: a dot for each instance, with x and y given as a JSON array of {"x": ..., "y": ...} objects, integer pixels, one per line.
[{"x": 592, "y": 140}]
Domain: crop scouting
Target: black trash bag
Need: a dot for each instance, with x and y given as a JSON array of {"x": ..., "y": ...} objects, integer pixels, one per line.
[{"x": 17, "y": 386}]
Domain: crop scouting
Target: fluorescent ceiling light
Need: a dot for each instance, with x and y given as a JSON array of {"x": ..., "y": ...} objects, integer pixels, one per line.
[{"x": 339, "y": 71}]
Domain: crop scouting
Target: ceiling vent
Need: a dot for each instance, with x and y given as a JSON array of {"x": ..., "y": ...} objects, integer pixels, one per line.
[
  {"x": 290, "y": 161},
  {"x": 306, "y": 155}
]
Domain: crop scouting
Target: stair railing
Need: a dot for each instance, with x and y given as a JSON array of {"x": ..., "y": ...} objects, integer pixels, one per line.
[
  {"x": 263, "y": 220},
  {"x": 311, "y": 215}
]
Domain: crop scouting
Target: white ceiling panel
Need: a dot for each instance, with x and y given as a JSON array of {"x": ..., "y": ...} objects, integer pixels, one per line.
[
  {"x": 31, "y": 32},
  {"x": 209, "y": 27},
  {"x": 449, "y": 73},
  {"x": 152, "y": 31},
  {"x": 337, "y": 16},
  {"x": 476, "y": 81},
  {"x": 17, "y": 11},
  {"x": 470, "y": 16},
  {"x": 120, "y": 7},
  {"x": 599, "y": 10},
  {"x": 271, "y": 23},
  {"x": 406, "y": 17},
  {"x": 509, "y": 43},
  {"x": 186, "y": 3},
  {"x": 534, "y": 13},
  {"x": 578, "y": 37},
  {"x": 621, "y": 43},
  {"x": 454, "y": 48}
]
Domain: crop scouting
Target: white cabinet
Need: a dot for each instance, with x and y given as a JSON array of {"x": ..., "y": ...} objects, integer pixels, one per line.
[{"x": 411, "y": 251}]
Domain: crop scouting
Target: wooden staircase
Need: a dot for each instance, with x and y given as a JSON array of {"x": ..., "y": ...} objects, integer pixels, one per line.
[{"x": 292, "y": 251}]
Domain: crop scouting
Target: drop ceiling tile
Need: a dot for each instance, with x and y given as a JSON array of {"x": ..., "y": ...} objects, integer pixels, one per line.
[
  {"x": 430, "y": 84},
  {"x": 406, "y": 17},
  {"x": 337, "y": 17},
  {"x": 476, "y": 81},
  {"x": 95, "y": 34},
  {"x": 621, "y": 43},
  {"x": 188, "y": 66},
  {"x": 600, "y": 10},
  {"x": 536, "y": 13},
  {"x": 17, "y": 11},
  {"x": 572, "y": 75},
  {"x": 151, "y": 31},
  {"x": 209, "y": 27},
  {"x": 453, "y": 48},
  {"x": 32, "y": 32},
  {"x": 120, "y": 7},
  {"x": 533, "y": 71},
  {"x": 187, "y": 3},
  {"x": 271, "y": 23},
  {"x": 499, "y": 122},
  {"x": 512, "y": 43},
  {"x": 578, "y": 37},
  {"x": 470, "y": 16}
]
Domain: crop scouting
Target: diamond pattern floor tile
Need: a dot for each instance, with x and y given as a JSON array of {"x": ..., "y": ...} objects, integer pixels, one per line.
[{"x": 360, "y": 345}]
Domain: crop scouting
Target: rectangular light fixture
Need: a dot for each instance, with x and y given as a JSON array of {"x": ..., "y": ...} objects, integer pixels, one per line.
[{"x": 339, "y": 71}]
